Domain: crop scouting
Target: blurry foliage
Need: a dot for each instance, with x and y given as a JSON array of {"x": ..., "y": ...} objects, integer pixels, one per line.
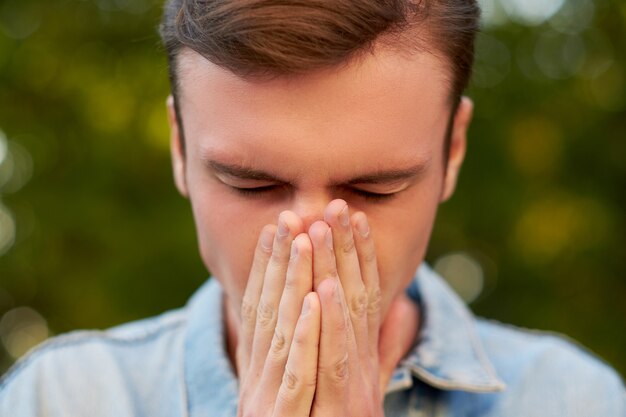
[{"x": 95, "y": 233}]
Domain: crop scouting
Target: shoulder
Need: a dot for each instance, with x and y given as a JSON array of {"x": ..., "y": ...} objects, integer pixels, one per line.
[
  {"x": 88, "y": 368},
  {"x": 550, "y": 370}
]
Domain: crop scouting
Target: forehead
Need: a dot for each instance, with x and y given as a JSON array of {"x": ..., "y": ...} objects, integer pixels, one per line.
[{"x": 383, "y": 108}]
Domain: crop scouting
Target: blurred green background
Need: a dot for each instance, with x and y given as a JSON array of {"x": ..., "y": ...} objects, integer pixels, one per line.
[{"x": 93, "y": 233}]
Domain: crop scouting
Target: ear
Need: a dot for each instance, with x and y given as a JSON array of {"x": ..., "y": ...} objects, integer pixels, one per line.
[
  {"x": 176, "y": 147},
  {"x": 458, "y": 144}
]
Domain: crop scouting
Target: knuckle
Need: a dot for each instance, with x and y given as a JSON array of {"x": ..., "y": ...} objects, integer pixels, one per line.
[
  {"x": 374, "y": 299},
  {"x": 290, "y": 380},
  {"x": 248, "y": 312},
  {"x": 265, "y": 315},
  {"x": 339, "y": 370},
  {"x": 278, "y": 343},
  {"x": 369, "y": 254},
  {"x": 291, "y": 283},
  {"x": 347, "y": 246},
  {"x": 299, "y": 338},
  {"x": 359, "y": 304},
  {"x": 293, "y": 382},
  {"x": 293, "y": 387},
  {"x": 331, "y": 274}
]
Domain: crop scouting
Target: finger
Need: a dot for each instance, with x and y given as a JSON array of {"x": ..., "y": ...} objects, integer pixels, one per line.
[
  {"x": 251, "y": 298},
  {"x": 298, "y": 284},
  {"x": 289, "y": 225},
  {"x": 325, "y": 268},
  {"x": 366, "y": 251},
  {"x": 337, "y": 215},
  {"x": 295, "y": 395},
  {"x": 333, "y": 363}
]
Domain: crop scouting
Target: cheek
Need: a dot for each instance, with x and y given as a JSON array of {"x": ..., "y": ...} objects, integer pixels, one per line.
[
  {"x": 225, "y": 240},
  {"x": 401, "y": 243}
]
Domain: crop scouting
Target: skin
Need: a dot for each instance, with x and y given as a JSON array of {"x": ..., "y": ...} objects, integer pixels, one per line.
[{"x": 314, "y": 146}]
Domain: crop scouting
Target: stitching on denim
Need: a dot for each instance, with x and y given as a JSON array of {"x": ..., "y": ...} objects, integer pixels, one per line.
[{"x": 80, "y": 337}]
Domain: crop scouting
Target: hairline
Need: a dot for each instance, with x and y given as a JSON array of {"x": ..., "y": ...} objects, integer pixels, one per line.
[{"x": 261, "y": 76}]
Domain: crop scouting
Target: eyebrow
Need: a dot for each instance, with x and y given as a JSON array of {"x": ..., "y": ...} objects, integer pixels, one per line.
[
  {"x": 390, "y": 176},
  {"x": 376, "y": 177},
  {"x": 242, "y": 172}
]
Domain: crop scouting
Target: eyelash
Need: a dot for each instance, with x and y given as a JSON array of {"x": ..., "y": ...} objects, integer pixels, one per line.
[{"x": 368, "y": 196}]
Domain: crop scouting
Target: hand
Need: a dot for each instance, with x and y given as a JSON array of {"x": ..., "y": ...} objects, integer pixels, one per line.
[
  {"x": 281, "y": 377},
  {"x": 354, "y": 362},
  {"x": 348, "y": 288},
  {"x": 279, "y": 336}
]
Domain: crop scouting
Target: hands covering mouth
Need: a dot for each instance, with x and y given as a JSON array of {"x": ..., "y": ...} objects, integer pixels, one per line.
[{"x": 311, "y": 321}]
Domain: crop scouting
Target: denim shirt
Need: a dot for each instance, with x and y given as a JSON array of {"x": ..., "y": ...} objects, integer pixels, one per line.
[{"x": 176, "y": 365}]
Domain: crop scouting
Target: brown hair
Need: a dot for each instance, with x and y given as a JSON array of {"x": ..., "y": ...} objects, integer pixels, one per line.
[{"x": 269, "y": 38}]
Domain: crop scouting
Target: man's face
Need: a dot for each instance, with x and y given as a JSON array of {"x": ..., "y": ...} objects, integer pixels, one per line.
[{"x": 374, "y": 127}]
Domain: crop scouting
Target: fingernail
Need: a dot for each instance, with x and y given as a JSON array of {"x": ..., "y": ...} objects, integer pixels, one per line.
[
  {"x": 267, "y": 240},
  {"x": 306, "y": 306},
  {"x": 329, "y": 239},
  {"x": 344, "y": 217},
  {"x": 294, "y": 249},
  {"x": 363, "y": 228},
  {"x": 283, "y": 229}
]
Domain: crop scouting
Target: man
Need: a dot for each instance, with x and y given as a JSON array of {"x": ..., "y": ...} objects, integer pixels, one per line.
[{"x": 315, "y": 140}]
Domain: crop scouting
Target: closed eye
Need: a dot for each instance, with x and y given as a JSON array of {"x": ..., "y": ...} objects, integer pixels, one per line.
[
  {"x": 259, "y": 191},
  {"x": 370, "y": 196},
  {"x": 255, "y": 191}
]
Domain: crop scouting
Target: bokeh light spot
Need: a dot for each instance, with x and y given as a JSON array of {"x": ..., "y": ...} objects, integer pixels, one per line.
[
  {"x": 531, "y": 12},
  {"x": 574, "y": 17},
  {"x": 559, "y": 56},
  {"x": 492, "y": 13},
  {"x": 20, "y": 18},
  {"x": 463, "y": 273},
  {"x": 22, "y": 329},
  {"x": 16, "y": 169},
  {"x": 7, "y": 230},
  {"x": 4, "y": 147}
]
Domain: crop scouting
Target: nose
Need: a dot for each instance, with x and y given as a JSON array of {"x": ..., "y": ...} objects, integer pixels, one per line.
[{"x": 310, "y": 207}]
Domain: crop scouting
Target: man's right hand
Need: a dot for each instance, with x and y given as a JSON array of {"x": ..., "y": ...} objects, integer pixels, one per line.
[{"x": 279, "y": 336}]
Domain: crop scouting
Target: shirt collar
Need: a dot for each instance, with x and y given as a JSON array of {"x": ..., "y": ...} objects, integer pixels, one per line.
[
  {"x": 449, "y": 354},
  {"x": 211, "y": 385}
]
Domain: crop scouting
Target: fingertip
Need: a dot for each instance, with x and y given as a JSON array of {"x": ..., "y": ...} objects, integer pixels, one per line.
[
  {"x": 318, "y": 230},
  {"x": 310, "y": 304},
  {"x": 360, "y": 224},
  {"x": 333, "y": 209},
  {"x": 293, "y": 221},
  {"x": 357, "y": 216},
  {"x": 303, "y": 243}
]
